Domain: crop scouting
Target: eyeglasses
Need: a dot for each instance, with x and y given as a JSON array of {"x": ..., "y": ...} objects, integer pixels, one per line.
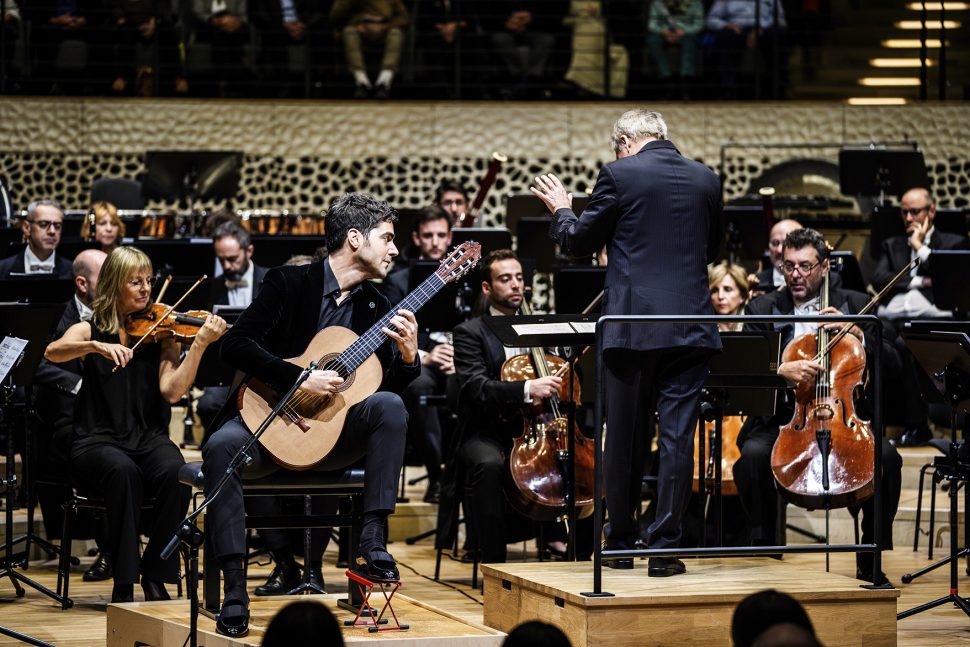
[
  {"x": 138, "y": 283},
  {"x": 47, "y": 224},
  {"x": 913, "y": 212},
  {"x": 804, "y": 267}
]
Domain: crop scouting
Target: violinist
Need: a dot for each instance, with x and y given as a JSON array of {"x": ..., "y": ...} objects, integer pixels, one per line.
[
  {"x": 121, "y": 450},
  {"x": 490, "y": 412},
  {"x": 805, "y": 265},
  {"x": 729, "y": 292}
]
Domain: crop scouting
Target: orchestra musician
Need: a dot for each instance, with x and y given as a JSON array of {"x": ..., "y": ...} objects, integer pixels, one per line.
[
  {"x": 293, "y": 304},
  {"x": 105, "y": 226},
  {"x": 805, "y": 263},
  {"x": 914, "y": 298},
  {"x": 648, "y": 208},
  {"x": 121, "y": 450},
  {"x": 42, "y": 231},
  {"x": 453, "y": 198},
  {"x": 771, "y": 277},
  {"x": 729, "y": 292},
  {"x": 490, "y": 413},
  {"x": 432, "y": 238}
]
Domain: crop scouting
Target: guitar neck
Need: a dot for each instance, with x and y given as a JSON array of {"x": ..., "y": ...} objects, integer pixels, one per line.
[{"x": 371, "y": 340}]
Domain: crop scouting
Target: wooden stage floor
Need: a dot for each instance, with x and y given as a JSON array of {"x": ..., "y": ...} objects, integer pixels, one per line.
[{"x": 85, "y": 625}]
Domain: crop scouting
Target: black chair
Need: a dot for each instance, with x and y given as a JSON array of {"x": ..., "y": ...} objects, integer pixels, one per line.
[
  {"x": 121, "y": 192},
  {"x": 348, "y": 484}
]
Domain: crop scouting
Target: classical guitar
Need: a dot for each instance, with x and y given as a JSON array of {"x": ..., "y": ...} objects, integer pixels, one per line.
[{"x": 309, "y": 425}]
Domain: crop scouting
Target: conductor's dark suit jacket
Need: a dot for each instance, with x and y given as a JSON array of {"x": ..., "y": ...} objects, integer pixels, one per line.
[
  {"x": 896, "y": 255},
  {"x": 658, "y": 214},
  {"x": 15, "y": 265},
  {"x": 281, "y": 322}
]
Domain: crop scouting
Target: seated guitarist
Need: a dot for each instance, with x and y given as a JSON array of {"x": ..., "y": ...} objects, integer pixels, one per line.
[{"x": 294, "y": 303}]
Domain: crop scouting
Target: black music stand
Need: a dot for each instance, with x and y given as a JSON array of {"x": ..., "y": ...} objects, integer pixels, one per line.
[
  {"x": 575, "y": 287},
  {"x": 180, "y": 257},
  {"x": 527, "y": 205},
  {"x": 566, "y": 331},
  {"x": 187, "y": 176},
  {"x": 744, "y": 229},
  {"x": 878, "y": 170},
  {"x": 36, "y": 288},
  {"x": 846, "y": 264},
  {"x": 33, "y": 323},
  {"x": 490, "y": 238},
  {"x": 949, "y": 270},
  {"x": 742, "y": 380},
  {"x": 442, "y": 312},
  {"x": 272, "y": 251},
  {"x": 945, "y": 357},
  {"x": 532, "y": 241}
]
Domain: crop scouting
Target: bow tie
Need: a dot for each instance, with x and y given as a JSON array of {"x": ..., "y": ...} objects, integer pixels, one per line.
[
  {"x": 41, "y": 267},
  {"x": 234, "y": 285}
]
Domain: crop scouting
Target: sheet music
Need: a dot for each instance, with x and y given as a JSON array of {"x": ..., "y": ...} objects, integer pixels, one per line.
[
  {"x": 543, "y": 329},
  {"x": 584, "y": 327},
  {"x": 11, "y": 349}
]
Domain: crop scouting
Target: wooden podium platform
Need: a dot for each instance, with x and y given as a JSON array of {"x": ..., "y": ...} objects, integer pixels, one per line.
[
  {"x": 166, "y": 624},
  {"x": 690, "y": 609}
]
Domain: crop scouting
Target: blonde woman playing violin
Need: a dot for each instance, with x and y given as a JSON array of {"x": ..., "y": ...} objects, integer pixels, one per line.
[{"x": 121, "y": 451}]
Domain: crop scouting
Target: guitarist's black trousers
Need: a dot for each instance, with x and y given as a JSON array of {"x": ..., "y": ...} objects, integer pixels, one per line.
[{"x": 374, "y": 429}]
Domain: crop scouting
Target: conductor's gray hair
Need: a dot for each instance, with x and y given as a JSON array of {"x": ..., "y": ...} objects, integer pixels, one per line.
[{"x": 636, "y": 125}]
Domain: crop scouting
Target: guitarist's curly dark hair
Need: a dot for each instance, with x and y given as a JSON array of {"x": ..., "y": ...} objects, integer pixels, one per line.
[{"x": 354, "y": 211}]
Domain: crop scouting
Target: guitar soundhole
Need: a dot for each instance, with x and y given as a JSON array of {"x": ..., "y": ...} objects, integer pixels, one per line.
[{"x": 332, "y": 363}]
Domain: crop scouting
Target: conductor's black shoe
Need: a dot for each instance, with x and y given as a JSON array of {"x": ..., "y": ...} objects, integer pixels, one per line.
[
  {"x": 284, "y": 578},
  {"x": 914, "y": 437},
  {"x": 665, "y": 567},
  {"x": 376, "y": 564},
  {"x": 864, "y": 571},
  {"x": 619, "y": 563},
  {"x": 154, "y": 590},
  {"x": 100, "y": 570},
  {"x": 233, "y": 619}
]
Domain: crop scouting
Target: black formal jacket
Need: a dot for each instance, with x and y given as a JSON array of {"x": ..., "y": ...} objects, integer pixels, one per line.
[
  {"x": 896, "y": 255},
  {"x": 282, "y": 320},
  {"x": 658, "y": 214},
  {"x": 780, "y": 302},
  {"x": 487, "y": 406},
  {"x": 15, "y": 265},
  {"x": 219, "y": 293}
]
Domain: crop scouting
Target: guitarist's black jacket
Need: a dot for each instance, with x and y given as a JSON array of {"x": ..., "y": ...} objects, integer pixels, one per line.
[{"x": 281, "y": 321}]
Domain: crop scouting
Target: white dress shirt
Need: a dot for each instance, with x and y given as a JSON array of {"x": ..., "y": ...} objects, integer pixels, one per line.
[
  {"x": 912, "y": 302},
  {"x": 33, "y": 265},
  {"x": 242, "y": 297}
]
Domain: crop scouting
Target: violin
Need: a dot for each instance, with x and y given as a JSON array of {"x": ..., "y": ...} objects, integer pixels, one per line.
[
  {"x": 539, "y": 461},
  {"x": 159, "y": 321}
]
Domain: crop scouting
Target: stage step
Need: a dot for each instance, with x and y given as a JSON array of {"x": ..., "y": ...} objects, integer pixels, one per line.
[
  {"x": 165, "y": 624},
  {"x": 690, "y": 609}
]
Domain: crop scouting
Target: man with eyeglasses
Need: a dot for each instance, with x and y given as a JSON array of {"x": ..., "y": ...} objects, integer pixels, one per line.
[
  {"x": 805, "y": 264},
  {"x": 42, "y": 231},
  {"x": 914, "y": 298}
]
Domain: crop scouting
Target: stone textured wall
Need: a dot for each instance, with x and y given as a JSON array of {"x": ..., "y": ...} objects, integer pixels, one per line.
[{"x": 300, "y": 155}]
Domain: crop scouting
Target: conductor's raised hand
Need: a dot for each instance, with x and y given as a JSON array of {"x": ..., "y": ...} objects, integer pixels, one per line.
[
  {"x": 403, "y": 329},
  {"x": 553, "y": 194}
]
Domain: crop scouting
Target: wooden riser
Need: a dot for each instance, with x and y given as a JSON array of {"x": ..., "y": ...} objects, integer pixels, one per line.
[
  {"x": 165, "y": 624},
  {"x": 691, "y": 609}
]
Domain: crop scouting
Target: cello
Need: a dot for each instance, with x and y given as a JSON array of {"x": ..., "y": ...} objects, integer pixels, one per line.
[
  {"x": 536, "y": 482},
  {"x": 823, "y": 457}
]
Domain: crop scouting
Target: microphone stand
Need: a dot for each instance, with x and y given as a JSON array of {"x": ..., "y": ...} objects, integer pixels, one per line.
[{"x": 188, "y": 533}]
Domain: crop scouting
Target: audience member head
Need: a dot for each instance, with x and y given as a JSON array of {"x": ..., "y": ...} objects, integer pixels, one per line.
[
  {"x": 536, "y": 634},
  {"x": 776, "y": 238},
  {"x": 762, "y": 610},
  {"x": 234, "y": 249},
  {"x": 805, "y": 263},
  {"x": 85, "y": 270},
  {"x": 108, "y": 226},
  {"x": 303, "y": 623},
  {"x": 503, "y": 286},
  {"x": 729, "y": 288},
  {"x": 786, "y": 634},
  {"x": 635, "y": 128},
  {"x": 432, "y": 233},
  {"x": 452, "y": 197},
  {"x": 42, "y": 227},
  {"x": 124, "y": 286},
  {"x": 360, "y": 233},
  {"x": 917, "y": 207}
]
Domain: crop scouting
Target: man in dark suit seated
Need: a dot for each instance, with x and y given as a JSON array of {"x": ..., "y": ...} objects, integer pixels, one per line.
[
  {"x": 658, "y": 215},
  {"x": 913, "y": 299},
  {"x": 490, "y": 412},
  {"x": 54, "y": 389},
  {"x": 294, "y": 303},
  {"x": 432, "y": 238},
  {"x": 805, "y": 265},
  {"x": 42, "y": 231}
]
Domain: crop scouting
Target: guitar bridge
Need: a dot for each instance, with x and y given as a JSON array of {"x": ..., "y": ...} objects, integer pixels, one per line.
[{"x": 299, "y": 421}]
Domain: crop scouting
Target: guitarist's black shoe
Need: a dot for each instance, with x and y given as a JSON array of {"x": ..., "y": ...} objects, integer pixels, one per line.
[
  {"x": 376, "y": 564},
  {"x": 233, "y": 619}
]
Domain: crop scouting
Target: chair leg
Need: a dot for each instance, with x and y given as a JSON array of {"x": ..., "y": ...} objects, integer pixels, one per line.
[
  {"x": 919, "y": 506},
  {"x": 930, "y": 541},
  {"x": 64, "y": 563}
]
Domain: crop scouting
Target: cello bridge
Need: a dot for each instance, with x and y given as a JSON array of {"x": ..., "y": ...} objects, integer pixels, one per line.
[{"x": 823, "y": 411}]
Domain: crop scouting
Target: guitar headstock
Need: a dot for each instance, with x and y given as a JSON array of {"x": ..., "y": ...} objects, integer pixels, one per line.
[{"x": 460, "y": 261}]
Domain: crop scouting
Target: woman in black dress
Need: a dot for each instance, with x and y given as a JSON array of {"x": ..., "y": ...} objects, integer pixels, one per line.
[{"x": 121, "y": 450}]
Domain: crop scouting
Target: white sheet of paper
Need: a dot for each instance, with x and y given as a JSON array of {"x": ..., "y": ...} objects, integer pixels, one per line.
[
  {"x": 10, "y": 351},
  {"x": 543, "y": 329},
  {"x": 585, "y": 327}
]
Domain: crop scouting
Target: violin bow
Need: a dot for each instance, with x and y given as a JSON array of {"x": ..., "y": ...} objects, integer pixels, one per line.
[
  {"x": 170, "y": 310},
  {"x": 869, "y": 306},
  {"x": 165, "y": 284}
]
